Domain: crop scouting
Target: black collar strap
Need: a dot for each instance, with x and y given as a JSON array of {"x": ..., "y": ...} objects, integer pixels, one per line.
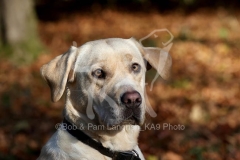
[{"x": 115, "y": 155}]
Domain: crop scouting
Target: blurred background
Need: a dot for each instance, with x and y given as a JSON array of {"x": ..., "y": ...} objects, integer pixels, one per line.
[{"x": 203, "y": 93}]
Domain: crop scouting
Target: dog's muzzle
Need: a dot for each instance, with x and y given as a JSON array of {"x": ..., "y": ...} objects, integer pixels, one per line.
[{"x": 132, "y": 101}]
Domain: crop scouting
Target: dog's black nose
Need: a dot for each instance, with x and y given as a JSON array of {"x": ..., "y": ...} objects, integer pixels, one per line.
[{"x": 131, "y": 99}]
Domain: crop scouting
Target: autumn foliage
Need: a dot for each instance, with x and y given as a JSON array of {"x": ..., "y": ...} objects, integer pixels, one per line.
[{"x": 203, "y": 93}]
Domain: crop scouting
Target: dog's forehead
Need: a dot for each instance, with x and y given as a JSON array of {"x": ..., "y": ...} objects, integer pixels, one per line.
[{"x": 109, "y": 48}]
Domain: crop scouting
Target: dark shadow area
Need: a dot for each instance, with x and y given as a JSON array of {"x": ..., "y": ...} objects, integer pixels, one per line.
[{"x": 55, "y": 9}]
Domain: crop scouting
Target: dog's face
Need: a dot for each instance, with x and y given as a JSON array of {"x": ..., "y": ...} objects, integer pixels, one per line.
[
  {"x": 111, "y": 74},
  {"x": 105, "y": 78}
]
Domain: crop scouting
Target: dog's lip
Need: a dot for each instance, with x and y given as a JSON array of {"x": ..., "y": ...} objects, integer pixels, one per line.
[
  {"x": 131, "y": 120},
  {"x": 133, "y": 116}
]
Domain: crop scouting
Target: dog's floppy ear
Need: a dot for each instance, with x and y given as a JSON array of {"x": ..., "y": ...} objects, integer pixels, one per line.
[
  {"x": 157, "y": 58},
  {"x": 59, "y": 71}
]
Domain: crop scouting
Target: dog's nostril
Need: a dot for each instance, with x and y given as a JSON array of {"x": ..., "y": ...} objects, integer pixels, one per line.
[
  {"x": 139, "y": 100},
  {"x": 131, "y": 99},
  {"x": 128, "y": 101}
]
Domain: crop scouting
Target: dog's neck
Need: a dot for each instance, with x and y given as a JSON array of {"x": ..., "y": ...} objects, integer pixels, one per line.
[{"x": 116, "y": 139}]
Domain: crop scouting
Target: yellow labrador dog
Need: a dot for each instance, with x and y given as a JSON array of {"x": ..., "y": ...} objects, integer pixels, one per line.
[{"x": 104, "y": 81}]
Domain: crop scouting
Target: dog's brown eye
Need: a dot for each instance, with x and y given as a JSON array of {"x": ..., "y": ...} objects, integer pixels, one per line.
[
  {"x": 99, "y": 73},
  {"x": 136, "y": 67}
]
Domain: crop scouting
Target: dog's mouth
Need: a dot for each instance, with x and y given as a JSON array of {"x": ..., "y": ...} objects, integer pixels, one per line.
[
  {"x": 132, "y": 120},
  {"x": 131, "y": 117},
  {"x": 128, "y": 118},
  {"x": 129, "y": 121}
]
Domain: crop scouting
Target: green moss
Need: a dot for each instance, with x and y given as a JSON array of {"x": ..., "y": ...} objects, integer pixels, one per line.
[
  {"x": 197, "y": 152},
  {"x": 149, "y": 43},
  {"x": 152, "y": 157},
  {"x": 23, "y": 53},
  {"x": 182, "y": 83},
  {"x": 223, "y": 33},
  {"x": 27, "y": 49}
]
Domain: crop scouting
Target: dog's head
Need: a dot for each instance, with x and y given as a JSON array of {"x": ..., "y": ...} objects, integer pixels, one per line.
[{"x": 105, "y": 78}]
